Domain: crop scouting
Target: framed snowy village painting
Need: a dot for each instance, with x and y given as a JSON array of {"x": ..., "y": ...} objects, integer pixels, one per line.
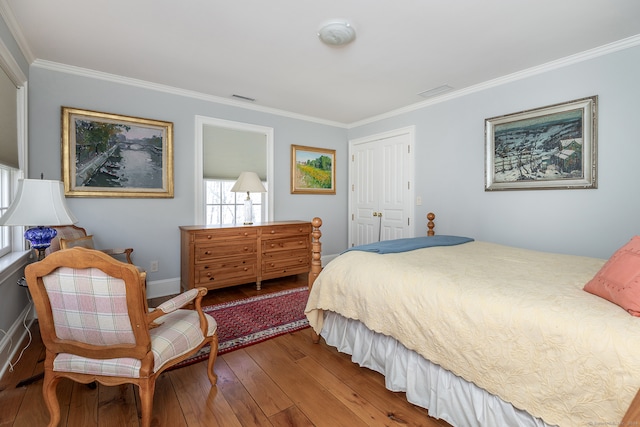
[
  {"x": 552, "y": 147},
  {"x": 110, "y": 155}
]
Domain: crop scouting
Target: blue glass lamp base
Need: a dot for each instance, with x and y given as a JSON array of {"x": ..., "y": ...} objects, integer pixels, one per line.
[{"x": 40, "y": 238}]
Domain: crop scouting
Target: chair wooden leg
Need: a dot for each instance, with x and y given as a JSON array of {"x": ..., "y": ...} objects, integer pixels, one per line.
[
  {"x": 49, "y": 387},
  {"x": 213, "y": 354},
  {"x": 146, "y": 390}
]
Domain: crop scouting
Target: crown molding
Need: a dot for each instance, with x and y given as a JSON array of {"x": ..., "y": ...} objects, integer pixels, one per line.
[
  {"x": 114, "y": 78},
  {"x": 549, "y": 66},
  {"x": 16, "y": 31},
  {"x": 539, "y": 69}
]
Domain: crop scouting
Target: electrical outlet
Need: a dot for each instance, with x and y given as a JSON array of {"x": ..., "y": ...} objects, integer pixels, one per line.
[{"x": 154, "y": 266}]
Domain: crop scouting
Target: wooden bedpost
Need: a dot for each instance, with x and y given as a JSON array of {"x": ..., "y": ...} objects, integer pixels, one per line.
[
  {"x": 316, "y": 251},
  {"x": 430, "y": 225},
  {"x": 316, "y": 261}
]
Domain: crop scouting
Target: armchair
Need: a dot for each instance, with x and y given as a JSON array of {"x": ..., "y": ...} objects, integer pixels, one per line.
[
  {"x": 96, "y": 326},
  {"x": 70, "y": 236}
]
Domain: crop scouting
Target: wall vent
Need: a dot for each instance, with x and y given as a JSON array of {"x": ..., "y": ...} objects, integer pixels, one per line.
[
  {"x": 244, "y": 98},
  {"x": 435, "y": 91}
]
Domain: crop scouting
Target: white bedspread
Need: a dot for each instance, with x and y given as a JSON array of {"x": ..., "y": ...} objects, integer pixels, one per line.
[{"x": 512, "y": 321}]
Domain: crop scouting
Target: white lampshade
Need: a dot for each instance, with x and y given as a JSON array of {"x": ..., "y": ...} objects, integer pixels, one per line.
[
  {"x": 248, "y": 182},
  {"x": 38, "y": 202}
]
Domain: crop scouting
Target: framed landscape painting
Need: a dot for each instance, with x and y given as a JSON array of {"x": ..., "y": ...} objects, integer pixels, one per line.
[
  {"x": 110, "y": 155},
  {"x": 313, "y": 170},
  {"x": 552, "y": 147}
]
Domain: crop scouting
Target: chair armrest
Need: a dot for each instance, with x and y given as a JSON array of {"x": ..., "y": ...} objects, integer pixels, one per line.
[
  {"x": 177, "y": 302},
  {"x": 126, "y": 252}
]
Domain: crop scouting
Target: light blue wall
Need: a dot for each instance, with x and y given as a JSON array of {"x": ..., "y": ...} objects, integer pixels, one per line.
[
  {"x": 150, "y": 226},
  {"x": 450, "y": 148}
]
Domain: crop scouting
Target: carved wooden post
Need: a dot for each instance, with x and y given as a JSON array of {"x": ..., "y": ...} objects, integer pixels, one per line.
[
  {"x": 316, "y": 262},
  {"x": 316, "y": 251},
  {"x": 430, "y": 225}
]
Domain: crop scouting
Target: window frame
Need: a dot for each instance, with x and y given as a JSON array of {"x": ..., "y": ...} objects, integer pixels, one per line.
[
  {"x": 11, "y": 237},
  {"x": 199, "y": 184},
  {"x": 14, "y": 235}
]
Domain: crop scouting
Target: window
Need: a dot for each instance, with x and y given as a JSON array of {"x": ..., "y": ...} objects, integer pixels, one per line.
[
  {"x": 7, "y": 177},
  {"x": 225, "y": 207}
]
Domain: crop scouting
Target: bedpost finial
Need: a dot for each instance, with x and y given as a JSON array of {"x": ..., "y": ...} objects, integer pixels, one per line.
[{"x": 430, "y": 225}]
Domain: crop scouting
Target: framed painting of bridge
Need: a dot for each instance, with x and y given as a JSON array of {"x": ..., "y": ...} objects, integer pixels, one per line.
[
  {"x": 110, "y": 155},
  {"x": 552, "y": 147},
  {"x": 313, "y": 170}
]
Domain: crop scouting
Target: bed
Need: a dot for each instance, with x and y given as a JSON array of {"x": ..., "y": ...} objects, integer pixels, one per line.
[{"x": 482, "y": 334}]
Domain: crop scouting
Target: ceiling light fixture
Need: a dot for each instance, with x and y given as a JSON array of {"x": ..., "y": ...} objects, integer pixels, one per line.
[{"x": 337, "y": 33}]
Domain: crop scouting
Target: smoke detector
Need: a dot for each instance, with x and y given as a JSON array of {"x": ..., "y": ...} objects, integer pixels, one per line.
[{"x": 337, "y": 33}]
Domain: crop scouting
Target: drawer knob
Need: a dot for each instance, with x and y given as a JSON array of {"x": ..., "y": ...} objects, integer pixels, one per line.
[
  {"x": 206, "y": 267},
  {"x": 207, "y": 252},
  {"x": 209, "y": 236},
  {"x": 273, "y": 245},
  {"x": 211, "y": 278},
  {"x": 273, "y": 231},
  {"x": 245, "y": 269}
]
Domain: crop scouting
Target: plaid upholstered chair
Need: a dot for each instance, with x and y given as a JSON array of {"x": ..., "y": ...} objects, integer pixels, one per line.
[
  {"x": 96, "y": 326},
  {"x": 70, "y": 236}
]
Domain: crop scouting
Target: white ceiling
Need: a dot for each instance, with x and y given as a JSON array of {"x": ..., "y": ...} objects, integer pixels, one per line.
[{"x": 269, "y": 50}]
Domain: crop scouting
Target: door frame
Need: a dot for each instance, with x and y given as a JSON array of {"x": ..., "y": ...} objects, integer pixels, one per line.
[{"x": 411, "y": 131}]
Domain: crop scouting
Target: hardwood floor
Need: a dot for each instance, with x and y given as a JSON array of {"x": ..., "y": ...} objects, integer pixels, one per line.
[{"x": 286, "y": 381}]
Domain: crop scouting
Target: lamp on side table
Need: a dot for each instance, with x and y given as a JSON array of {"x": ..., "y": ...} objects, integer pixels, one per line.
[{"x": 39, "y": 204}]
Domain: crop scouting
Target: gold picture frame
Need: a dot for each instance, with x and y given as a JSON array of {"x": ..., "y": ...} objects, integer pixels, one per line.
[
  {"x": 111, "y": 155},
  {"x": 313, "y": 170}
]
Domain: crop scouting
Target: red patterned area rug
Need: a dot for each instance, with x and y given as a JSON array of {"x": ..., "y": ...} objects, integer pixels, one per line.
[{"x": 248, "y": 321}]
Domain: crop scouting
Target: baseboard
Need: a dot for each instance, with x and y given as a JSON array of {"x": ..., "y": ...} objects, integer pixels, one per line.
[
  {"x": 326, "y": 259},
  {"x": 161, "y": 288},
  {"x": 10, "y": 343}
]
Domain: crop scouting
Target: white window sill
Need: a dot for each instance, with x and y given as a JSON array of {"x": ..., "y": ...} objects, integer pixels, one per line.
[{"x": 13, "y": 262}]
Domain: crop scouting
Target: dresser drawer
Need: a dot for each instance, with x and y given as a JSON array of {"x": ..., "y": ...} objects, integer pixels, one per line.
[
  {"x": 224, "y": 234},
  {"x": 282, "y": 261},
  {"x": 224, "y": 249},
  {"x": 230, "y": 269},
  {"x": 286, "y": 230},
  {"x": 284, "y": 244}
]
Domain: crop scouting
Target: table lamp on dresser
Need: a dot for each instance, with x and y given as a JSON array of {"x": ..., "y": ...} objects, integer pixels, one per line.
[
  {"x": 248, "y": 182},
  {"x": 39, "y": 204}
]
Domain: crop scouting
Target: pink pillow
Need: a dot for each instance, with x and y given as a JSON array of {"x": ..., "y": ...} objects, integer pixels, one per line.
[{"x": 618, "y": 280}]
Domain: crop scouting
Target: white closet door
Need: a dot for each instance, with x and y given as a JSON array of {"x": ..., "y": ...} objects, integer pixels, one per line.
[
  {"x": 365, "y": 194},
  {"x": 381, "y": 192}
]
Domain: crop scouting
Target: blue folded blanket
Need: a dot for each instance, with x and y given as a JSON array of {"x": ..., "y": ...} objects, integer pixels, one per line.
[{"x": 411, "y": 243}]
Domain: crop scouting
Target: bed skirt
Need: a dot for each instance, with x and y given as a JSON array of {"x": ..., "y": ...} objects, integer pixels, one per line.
[{"x": 445, "y": 395}]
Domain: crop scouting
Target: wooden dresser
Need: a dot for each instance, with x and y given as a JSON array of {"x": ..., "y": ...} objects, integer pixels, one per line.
[{"x": 222, "y": 256}]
